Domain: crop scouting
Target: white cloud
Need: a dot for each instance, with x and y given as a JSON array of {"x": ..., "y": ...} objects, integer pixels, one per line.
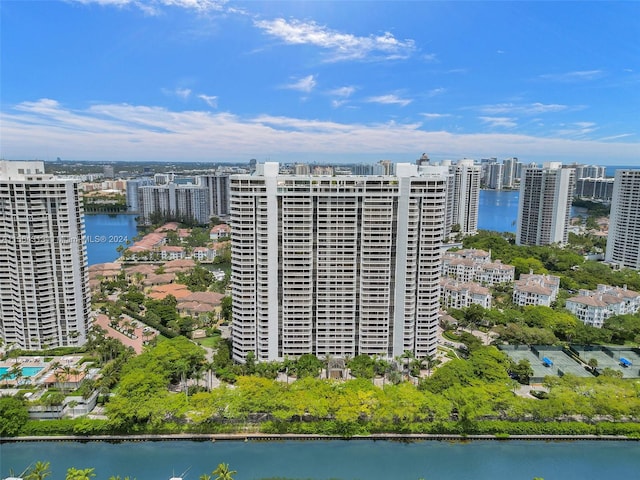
[
  {"x": 305, "y": 84},
  {"x": 104, "y": 132},
  {"x": 152, "y": 6},
  {"x": 436, "y": 91},
  {"x": 576, "y": 76},
  {"x": 344, "y": 92},
  {"x": 390, "y": 99},
  {"x": 210, "y": 100},
  {"x": 183, "y": 93},
  {"x": 505, "y": 122},
  {"x": 616, "y": 137},
  {"x": 576, "y": 129},
  {"x": 431, "y": 116},
  {"x": 342, "y": 46},
  {"x": 523, "y": 109}
]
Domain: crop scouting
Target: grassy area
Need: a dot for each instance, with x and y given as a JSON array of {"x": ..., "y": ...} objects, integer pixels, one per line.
[{"x": 210, "y": 342}]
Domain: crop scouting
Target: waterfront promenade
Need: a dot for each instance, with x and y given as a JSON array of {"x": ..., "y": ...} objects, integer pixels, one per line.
[{"x": 242, "y": 437}]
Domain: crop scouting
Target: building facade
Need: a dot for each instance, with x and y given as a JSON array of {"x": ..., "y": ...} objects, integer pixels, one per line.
[
  {"x": 623, "y": 242},
  {"x": 594, "y": 307},
  {"x": 336, "y": 266},
  {"x": 472, "y": 265},
  {"x": 44, "y": 278},
  {"x": 466, "y": 195},
  {"x": 595, "y": 188},
  {"x": 455, "y": 294},
  {"x": 545, "y": 204},
  {"x": 533, "y": 289},
  {"x": 218, "y": 189},
  {"x": 185, "y": 202}
]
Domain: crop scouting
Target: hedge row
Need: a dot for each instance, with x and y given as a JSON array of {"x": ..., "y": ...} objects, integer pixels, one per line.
[{"x": 83, "y": 426}]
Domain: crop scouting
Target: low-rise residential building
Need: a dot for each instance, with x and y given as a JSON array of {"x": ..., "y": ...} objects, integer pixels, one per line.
[
  {"x": 533, "y": 289},
  {"x": 472, "y": 265},
  {"x": 594, "y": 307},
  {"x": 220, "y": 231},
  {"x": 168, "y": 252},
  {"x": 203, "y": 254},
  {"x": 495, "y": 273},
  {"x": 455, "y": 294}
]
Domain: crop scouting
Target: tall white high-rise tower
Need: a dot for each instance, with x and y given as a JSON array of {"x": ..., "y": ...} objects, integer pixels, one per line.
[
  {"x": 466, "y": 195},
  {"x": 623, "y": 243},
  {"x": 545, "y": 204},
  {"x": 44, "y": 293},
  {"x": 336, "y": 266}
]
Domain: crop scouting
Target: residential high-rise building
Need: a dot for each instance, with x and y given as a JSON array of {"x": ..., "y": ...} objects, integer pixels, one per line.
[
  {"x": 589, "y": 171},
  {"x": 336, "y": 266},
  {"x": 595, "y": 188},
  {"x": 218, "y": 188},
  {"x": 44, "y": 293},
  {"x": 623, "y": 243},
  {"x": 132, "y": 190},
  {"x": 545, "y": 204},
  {"x": 466, "y": 195},
  {"x": 509, "y": 172},
  {"x": 495, "y": 175},
  {"x": 179, "y": 201}
]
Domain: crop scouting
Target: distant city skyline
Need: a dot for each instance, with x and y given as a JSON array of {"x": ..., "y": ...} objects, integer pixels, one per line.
[{"x": 334, "y": 82}]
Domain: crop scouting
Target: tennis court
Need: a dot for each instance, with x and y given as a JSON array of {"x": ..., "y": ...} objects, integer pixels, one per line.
[
  {"x": 614, "y": 358},
  {"x": 546, "y": 361}
]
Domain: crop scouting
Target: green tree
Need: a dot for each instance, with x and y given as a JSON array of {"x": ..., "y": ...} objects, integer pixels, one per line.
[
  {"x": 13, "y": 416},
  {"x": 226, "y": 308},
  {"x": 362, "y": 366},
  {"x": 39, "y": 471},
  {"x": 223, "y": 472},
  {"x": 307, "y": 365},
  {"x": 522, "y": 371},
  {"x": 80, "y": 474}
]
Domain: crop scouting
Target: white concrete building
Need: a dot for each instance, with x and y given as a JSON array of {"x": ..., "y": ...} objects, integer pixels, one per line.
[
  {"x": 594, "y": 307},
  {"x": 466, "y": 195},
  {"x": 188, "y": 202},
  {"x": 218, "y": 192},
  {"x": 44, "y": 278},
  {"x": 473, "y": 265},
  {"x": 455, "y": 294},
  {"x": 545, "y": 204},
  {"x": 532, "y": 289},
  {"x": 623, "y": 242},
  {"x": 336, "y": 266}
]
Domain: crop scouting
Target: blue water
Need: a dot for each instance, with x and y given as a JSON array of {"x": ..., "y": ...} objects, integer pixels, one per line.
[
  {"x": 104, "y": 233},
  {"x": 498, "y": 210},
  {"x": 347, "y": 460},
  {"x": 26, "y": 371}
]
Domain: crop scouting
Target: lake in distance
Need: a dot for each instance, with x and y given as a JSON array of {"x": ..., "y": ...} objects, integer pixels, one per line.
[{"x": 337, "y": 459}]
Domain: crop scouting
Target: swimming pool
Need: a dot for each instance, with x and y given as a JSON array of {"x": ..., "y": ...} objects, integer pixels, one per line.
[{"x": 26, "y": 372}]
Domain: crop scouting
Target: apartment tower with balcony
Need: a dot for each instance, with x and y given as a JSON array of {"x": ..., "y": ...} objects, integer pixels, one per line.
[
  {"x": 545, "y": 204},
  {"x": 336, "y": 266},
  {"x": 623, "y": 242},
  {"x": 44, "y": 293}
]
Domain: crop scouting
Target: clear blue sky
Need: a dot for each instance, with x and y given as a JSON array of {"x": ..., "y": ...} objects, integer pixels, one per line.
[{"x": 313, "y": 81}]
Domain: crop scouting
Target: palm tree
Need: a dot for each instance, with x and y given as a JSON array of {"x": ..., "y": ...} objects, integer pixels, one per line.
[
  {"x": 39, "y": 471},
  {"x": 223, "y": 472},
  {"x": 406, "y": 356},
  {"x": 15, "y": 373},
  {"x": 430, "y": 361},
  {"x": 80, "y": 474}
]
